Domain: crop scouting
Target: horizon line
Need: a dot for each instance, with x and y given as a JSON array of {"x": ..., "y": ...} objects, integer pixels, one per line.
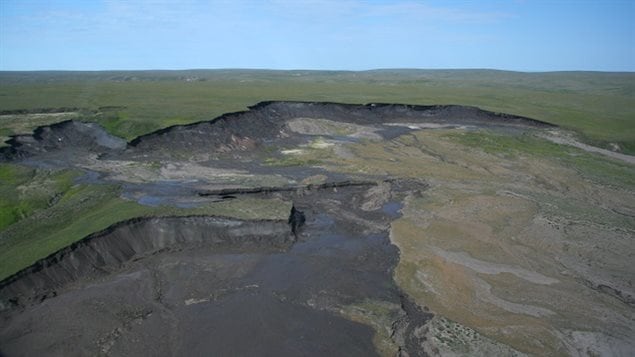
[{"x": 316, "y": 70}]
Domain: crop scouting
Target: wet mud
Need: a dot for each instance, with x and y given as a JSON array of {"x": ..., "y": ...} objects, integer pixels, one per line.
[
  {"x": 211, "y": 285},
  {"x": 196, "y": 285}
]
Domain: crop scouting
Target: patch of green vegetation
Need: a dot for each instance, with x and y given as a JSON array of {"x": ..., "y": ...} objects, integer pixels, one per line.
[
  {"x": 509, "y": 146},
  {"x": 593, "y": 166},
  {"x": 243, "y": 208},
  {"x": 13, "y": 174},
  {"x": 24, "y": 190},
  {"x": 4, "y": 135},
  {"x": 597, "y": 105}
]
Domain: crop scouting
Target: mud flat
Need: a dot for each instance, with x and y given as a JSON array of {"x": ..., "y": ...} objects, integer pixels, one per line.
[
  {"x": 414, "y": 230},
  {"x": 198, "y": 284}
]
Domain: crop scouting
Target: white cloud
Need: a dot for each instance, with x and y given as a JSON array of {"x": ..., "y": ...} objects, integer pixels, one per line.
[
  {"x": 424, "y": 11},
  {"x": 329, "y": 9}
]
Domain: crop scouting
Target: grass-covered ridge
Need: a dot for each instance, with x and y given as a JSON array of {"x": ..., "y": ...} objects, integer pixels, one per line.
[{"x": 597, "y": 105}]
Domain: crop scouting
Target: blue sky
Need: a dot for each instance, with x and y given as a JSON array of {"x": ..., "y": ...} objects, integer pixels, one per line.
[{"x": 529, "y": 35}]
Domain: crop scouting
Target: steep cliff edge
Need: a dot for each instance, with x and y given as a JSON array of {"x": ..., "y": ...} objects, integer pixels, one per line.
[{"x": 108, "y": 250}]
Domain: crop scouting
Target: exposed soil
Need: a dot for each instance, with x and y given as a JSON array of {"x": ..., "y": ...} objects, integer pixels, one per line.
[
  {"x": 104, "y": 252},
  {"x": 320, "y": 283},
  {"x": 194, "y": 283},
  {"x": 245, "y": 131}
]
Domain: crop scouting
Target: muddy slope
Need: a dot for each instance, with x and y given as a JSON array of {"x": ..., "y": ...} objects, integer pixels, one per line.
[
  {"x": 73, "y": 136},
  {"x": 108, "y": 250},
  {"x": 246, "y": 130},
  {"x": 266, "y": 121}
]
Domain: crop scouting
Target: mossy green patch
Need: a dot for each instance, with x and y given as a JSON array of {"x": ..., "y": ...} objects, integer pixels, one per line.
[
  {"x": 24, "y": 190},
  {"x": 592, "y": 166}
]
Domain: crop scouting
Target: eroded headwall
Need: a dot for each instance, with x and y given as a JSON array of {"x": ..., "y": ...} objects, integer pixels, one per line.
[{"x": 108, "y": 250}]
